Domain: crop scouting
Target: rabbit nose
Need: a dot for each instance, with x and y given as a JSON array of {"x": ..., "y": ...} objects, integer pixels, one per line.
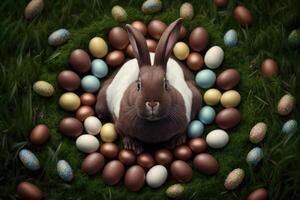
[{"x": 152, "y": 105}]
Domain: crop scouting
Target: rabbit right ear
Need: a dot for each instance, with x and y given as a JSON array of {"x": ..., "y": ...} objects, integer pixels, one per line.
[{"x": 139, "y": 46}]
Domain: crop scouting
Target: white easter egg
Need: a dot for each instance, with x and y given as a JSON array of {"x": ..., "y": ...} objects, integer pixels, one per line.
[
  {"x": 156, "y": 176},
  {"x": 92, "y": 125},
  {"x": 217, "y": 138},
  {"x": 214, "y": 57},
  {"x": 87, "y": 143}
]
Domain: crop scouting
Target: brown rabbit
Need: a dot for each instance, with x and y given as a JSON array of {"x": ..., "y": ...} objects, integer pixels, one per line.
[{"x": 151, "y": 98}]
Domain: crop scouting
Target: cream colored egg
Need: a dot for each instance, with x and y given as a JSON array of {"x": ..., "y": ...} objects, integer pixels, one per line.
[
  {"x": 98, "y": 47},
  {"x": 230, "y": 98},
  {"x": 108, "y": 132},
  {"x": 212, "y": 97},
  {"x": 181, "y": 50},
  {"x": 69, "y": 101},
  {"x": 43, "y": 88}
]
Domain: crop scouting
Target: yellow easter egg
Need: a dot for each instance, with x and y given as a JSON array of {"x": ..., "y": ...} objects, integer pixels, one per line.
[
  {"x": 98, "y": 47},
  {"x": 108, "y": 132},
  {"x": 181, "y": 50},
  {"x": 69, "y": 101},
  {"x": 230, "y": 98},
  {"x": 212, "y": 97}
]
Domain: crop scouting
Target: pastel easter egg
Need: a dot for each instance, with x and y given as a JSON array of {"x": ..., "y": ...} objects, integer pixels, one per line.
[
  {"x": 228, "y": 79},
  {"x": 119, "y": 13},
  {"x": 156, "y": 176},
  {"x": 230, "y": 98},
  {"x": 29, "y": 160},
  {"x": 286, "y": 104},
  {"x": 151, "y": 6},
  {"x": 69, "y": 101},
  {"x": 99, "y": 68},
  {"x": 258, "y": 194},
  {"x": 175, "y": 191},
  {"x": 258, "y": 132},
  {"x": 113, "y": 172},
  {"x": 205, "y": 78},
  {"x": 98, "y": 47},
  {"x": 207, "y": 115},
  {"x": 64, "y": 170},
  {"x": 134, "y": 178},
  {"x": 294, "y": 38},
  {"x": 33, "y": 9},
  {"x": 234, "y": 179},
  {"x": 108, "y": 132},
  {"x": 290, "y": 127},
  {"x": 181, "y": 50},
  {"x": 228, "y": 118},
  {"x": 217, "y": 139},
  {"x": 212, "y": 97},
  {"x": 27, "y": 190},
  {"x": 90, "y": 83},
  {"x": 195, "y": 129},
  {"x": 92, "y": 125},
  {"x": 87, "y": 143},
  {"x": 254, "y": 156},
  {"x": 186, "y": 11},
  {"x": 59, "y": 37},
  {"x": 214, "y": 57},
  {"x": 230, "y": 38},
  {"x": 43, "y": 88}
]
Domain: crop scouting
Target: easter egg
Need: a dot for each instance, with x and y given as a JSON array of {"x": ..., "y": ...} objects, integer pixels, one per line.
[
  {"x": 195, "y": 61},
  {"x": 212, "y": 97},
  {"x": 151, "y": 6},
  {"x": 64, "y": 170},
  {"x": 140, "y": 26},
  {"x": 228, "y": 118},
  {"x": 163, "y": 157},
  {"x": 119, "y": 14},
  {"x": 198, "y": 39},
  {"x": 151, "y": 44},
  {"x": 88, "y": 99},
  {"x": 84, "y": 112},
  {"x": 127, "y": 157},
  {"x": 186, "y": 11},
  {"x": 80, "y": 60},
  {"x": 69, "y": 101},
  {"x": 183, "y": 152},
  {"x": 98, "y": 47},
  {"x": 269, "y": 68},
  {"x": 230, "y": 38},
  {"x": 33, "y": 9},
  {"x": 197, "y": 145},
  {"x": 27, "y": 190},
  {"x": 156, "y": 176},
  {"x": 230, "y": 98},
  {"x": 181, "y": 171},
  {"x": 59, "y": 37},
  {"x": 258, "y": 194},
  {"x": 206, "y": 164},
  {"x": 217, "y": 139},
  {"x": 234, "y": 179},
  {"x": 214, "y": 57},
  {"x": 228, "y": 79},
  {"x": 286, "y": 104},
  {"x": 205, "y": 78},
  {"x": 220, "y": 3},
  {"x": 29, "y": 160},
  {"x": 99, "y": 68},
  {"x": 290, "y": 127},
  {"x": 87, "y": 143},
  {"x": 71, "y": 127},
  {"x": 43, "y": 88},
  {"x": 92, "y": 125},
  {"x": 207, "y": 115},
  {"x": 258, "y": 132},
  {"x": 68, "y": 80},
  {"x": 108, "y": 132},
  {"x": 181, "y": 50},
  {"x": 109, "y": 150},
  {"x": 90, "y": 83},
  {"x": 113, "y": 172},
  {"x": 242, "y": 15},
  {"x": 118, "y": 38},
  {"x": 294, "y": 38},
  {"x": 39, "y": 134},
  {"x": 93, "y": 163},
  {"x": 254, "y": 156},
  {"x": 145, "y": 160},
  {"x": 115, "y": 58},
  {"x": 156, "y": 28},
  {"x": 175, "y": 191},
  {"x": 195, "y": 129},
  {"x": 134, "y": 178}
]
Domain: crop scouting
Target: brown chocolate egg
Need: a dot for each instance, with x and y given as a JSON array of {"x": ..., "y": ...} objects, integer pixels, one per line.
[
  {"x": 115, "y": 58},
  {"x": 152, "y": 44},
  {"x": 88, "y": 99},
  {"x": 113, "y": 172},
  {"x": 68, "y": 80},
  {"x": 269, "y": 68},
  {"x": 30, "y": 191},
  {"x": 93, "y": 163},
  {"x": 156, "y": 28},
  {"x": 220, "y": 3},
  {"x": 228, "y": 79},
  {"x": 118, "y": 38},
  {"x": 183, "y": 152},
  {"x": 258, "y": 194},
  {"x": 134, "y": 178},
  {"x": 84, "y": 112},
  {"x": 195, "y": 61},
  {"x": 71, "y": 127},
  {"x": 163, "y": 157},
  {"x": 206, "y": 163},
  {"x": 129, "y": 51},
  {"x": 140, "y": 26},
  {"x": 183, "y": 32},
  {"x": 242, "y": 15},
  {"x": 181, "y": 171},
  {"x": 109, "y": 150},
  {"x": 198, "y": 39},
  {"x": 127, "y": 157},
  {"x": 228, "y": 118},
  {"x": 197, "y": 145},
  {"x": 145, "y": 160},
  {"x": 39, "y": 134},
  {"x": 80, "y": 60}
]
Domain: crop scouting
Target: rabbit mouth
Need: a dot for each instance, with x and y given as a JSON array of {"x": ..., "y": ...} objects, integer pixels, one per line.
[{"x": 153, "y": 118}]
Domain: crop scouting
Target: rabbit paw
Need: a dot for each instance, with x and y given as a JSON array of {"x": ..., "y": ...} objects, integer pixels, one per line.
[
  {"x": 175, "y": 141},
  {"x": 133, "y": 144}
]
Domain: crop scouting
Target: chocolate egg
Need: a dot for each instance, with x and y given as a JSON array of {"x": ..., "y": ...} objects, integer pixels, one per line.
[
  {"x": 98, "y": 47},
  {"x": 258, "y": 194},
  {"x": 118, "y": 38},
  {"x": 198, "y": 39},
  {"x": 109, "y": 150},
  {"x": 197, "y": 145},
  {"x": 181, "y": 171},
  {"x": 115, "y": 58},
  {"x": 30, "y": 191},
  {"x": 134, "y": 178},
  {"x": 127, "y": 157},
  {"x": 183, "y": 32},
  {"x": 228, "y": 118},
  {"x": 140, "y": 26},
  {"x": 228, "y": 79},
  {"x": 93, "y": 163},
  {"x": 206, "y": 163},
  {"x": 68, "y": 80},
  {"x": 286, "y": 104},
  {"x": 80, "y": 60},
  {"x": 183, "y": 152},
  {"x": 151, "y": 44},
  {"x": 242, "y": 15},
  {"x": 84, "y": 112},
  {"x": 269, "y": 68},
  {"x": 145, "y": 160},
  {"x": 163, "y": 157},
  {"x": 195, "y": 61},
  {"x": 113, "y": 172},
  {"x": 39, "y": 134},
  {"x": 156, "y": 28},
  {"x": 33, "y": 9},
  {"x": 88, "y": 99},
  {"x": 220, "y": 3},
  {"x": 129, "y": 51},
  {"x": 71, "y": 127}
]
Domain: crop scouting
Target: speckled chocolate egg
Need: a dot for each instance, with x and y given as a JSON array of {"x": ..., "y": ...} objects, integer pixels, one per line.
[
  {"x": 84, "y": 112},
  {"x": 234, "y": 179},
  {"x": 69, "y": 101},
  {"x": 198, "y": 39},
  {"x": 134, "y": 178},
  {"x": 228, "y": 118},
  {"x": 39, "y": 134},
  {"x": 183, "y": 32},
  {"x": 88, "y": 99},
  {"x": 183, "y": 152},
  {"x": 139, "y": 25},
  {"x": 230, "y": 98},
  {"x": 175, "y": 191},
  {"x": 156, "y": 28},
  {"x": 186, "y": 11},
  {"x": 118, "y": 38},
  {"x": 269, "y": 68},
  {"x": 181, "y": 171},
  {"x": 113, "y": 172},
  {"x": 127, "y": 157},
  {"x": 43, "y": 88},
  {"x": 115, "y": 58},
  {"x": 181, "y": 50},
  {"x": 206, "y": 164},
  {"x": 29, "y": 191},
  {"x": 68, "y": 80},
  {"x": 163, "y": 157},
  {"x": 93, "y": 163},
  {"x": 33, "y": 9},
  {"x": 286, "y": 104},
  {"x": 220, "y": 3},
  {"x": 228, "y": 79},
  {"x": 242, "y": 15},
  {"x": 151, "y": 6},
  {"x": 197, "y": 145},
  {"x": 109, "y": 150},
  {"x": 212, "y": 97},
  {"x": 258, "y": 194},
  {"x": 80, "y": 60},
  {"x": 151, "y": 44},
  {"x": 119, "y": 14},
  {"x": 195, "y": 61},
  {"x": 98, "y": 47},
  {"x": 258, "y": 132},
  {"x": 145, "y": 160},
  {"x": 71, "y": 127}
]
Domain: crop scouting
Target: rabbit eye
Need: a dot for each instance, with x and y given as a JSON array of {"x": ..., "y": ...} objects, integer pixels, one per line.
[
  {"x": 139, "y": 85},
  {"x": 166, "y": 84}
]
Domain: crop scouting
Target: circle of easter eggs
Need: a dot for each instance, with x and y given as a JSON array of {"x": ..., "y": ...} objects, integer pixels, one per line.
[
  {"x": 115, "y": 58},
  {"x": 87, "y": 143},
  {"x": 109, "y": 150},
  {"x": 207, "y": 115},
  {"x": 118, "y": 38},
  {"x": 183, "y": 152},
  {"x": 230, "y": 98},
  {"x": 145, "y": 160},
  {"x": 70, "y": 127},
  {"x": 269, "y": 68},
  {"x": 163, "y": 157},
  {"x": 156, "y": 176},
  {"x": 181, "y": 50},
  {"x": 134, "y": 178},
  {"x": 214, "y": 57},
  {"x": 90, "y": 83},
  {"x": 212, "y": 97},
  {"x": 39, "y": 134},
  {"x": 228, "y": 79},
  {"x": 217, "y": 139},
  {"x": 88, "y": 99},
  {"x": 228, "y": 118},
  {"x": 195, "y": 61},
  {"x": 181, "y": 171},
  {"x": 206, "y": 163},
  {"x": 197, "y": 145},
  {"x": 258, "y": 194},
  {"x": 93, "y": 163},
  {"x": 99, "y": 68},
  {"x": 205, "y": 78},
  {"x": 156, "y": 28},
  {"x": 98, "y": 47},
  {"x": 113, "y": 172},
  {"x": 195, "y": 129},
  {"x": 140, "y": 26},
  {"x": 80, "y": 60},
  {"x": 108, "y": 132},
  {"x": 242, "y": 15},
  {"x": 28, "y": 190},
  {"x": 127, "y": 157},
  {"x": 151, "y": 44},
  {"x": 92, "y": 125},
  {"x": 84, "y": 112},
  {"x": 198, "y": 39},
  {"x": 69, "y": 101},
  {"x": 68, "y": 80}
]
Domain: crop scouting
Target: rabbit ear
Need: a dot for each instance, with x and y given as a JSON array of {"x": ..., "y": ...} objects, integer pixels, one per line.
[
  {"x": 167, "y": 42},
  {"x": 139, "y": 46}
]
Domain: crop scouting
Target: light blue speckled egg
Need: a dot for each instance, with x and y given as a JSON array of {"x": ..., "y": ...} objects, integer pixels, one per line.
[
  {"x": 207, "y": 115},
  {"x": 99, "y": 68},
  {"x": 90, "y": 83},
  {"x": 29, "y": 160},
  {"x": 151, "y": 6},
  {"x": 254, "y": 156},
  {"x": 195, "y": 129},
  {"x": 290, "y": 127},
  {"x": 230, "y": 38},
  {"x": 64, "y": 170},
  {"x": 59, "y": 37},
  {"x": 205, "y": 78}
]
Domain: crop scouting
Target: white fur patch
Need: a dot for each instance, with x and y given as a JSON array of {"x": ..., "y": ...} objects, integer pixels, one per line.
[{"x": 129, "y": 73}]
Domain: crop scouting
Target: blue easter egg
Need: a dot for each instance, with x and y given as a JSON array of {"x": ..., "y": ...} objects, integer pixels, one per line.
[
  {"x": 90, "y": 83},
  {"x": 64, "y": 170},
  {"x": 99, "y": 68},
  {"x": 29, "y": 160},
  {"x": 195, "y": 129},
  {"x": 290, "y": 127},
  {"x": 230, "y": 38},
  {"x": 205, "y": 78},
  {"x": 59, "y": 37},
  {"x": 254, "y": 156},
  {"x": 207, "y": 115}
]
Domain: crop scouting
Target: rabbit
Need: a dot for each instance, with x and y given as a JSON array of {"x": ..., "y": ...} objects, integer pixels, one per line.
[{"x": 151, "y": 98}]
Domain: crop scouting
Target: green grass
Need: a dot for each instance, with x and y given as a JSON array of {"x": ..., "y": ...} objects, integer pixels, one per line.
[{"x": 26, "y": 57}]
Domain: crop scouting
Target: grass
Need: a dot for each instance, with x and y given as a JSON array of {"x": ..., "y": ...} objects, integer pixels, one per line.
[{"x": 26, "y": 57}]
